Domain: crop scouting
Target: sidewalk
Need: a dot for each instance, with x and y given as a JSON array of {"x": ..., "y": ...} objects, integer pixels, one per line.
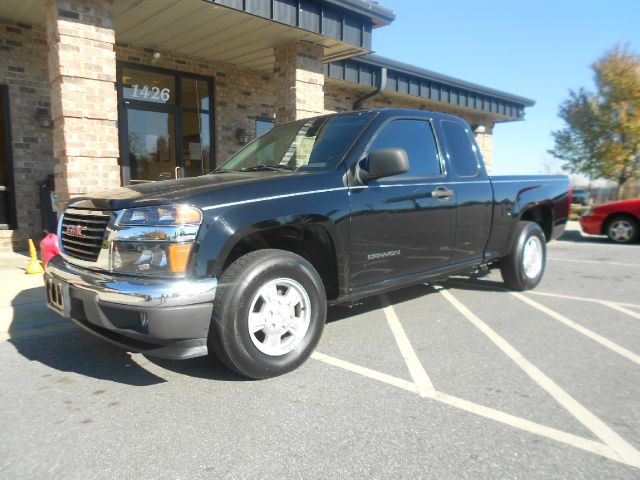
[{"x": 23, "y": 311}]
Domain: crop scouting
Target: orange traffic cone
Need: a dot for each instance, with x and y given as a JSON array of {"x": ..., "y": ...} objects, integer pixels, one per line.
[{"x": 34, "y": 265}]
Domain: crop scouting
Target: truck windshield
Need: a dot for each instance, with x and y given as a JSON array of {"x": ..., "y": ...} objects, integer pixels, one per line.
[{"x": 314, "y": 144}]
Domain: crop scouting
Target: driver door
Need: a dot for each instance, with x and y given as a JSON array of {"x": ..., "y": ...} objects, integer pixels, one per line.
[{"x": 404, "y": 224}]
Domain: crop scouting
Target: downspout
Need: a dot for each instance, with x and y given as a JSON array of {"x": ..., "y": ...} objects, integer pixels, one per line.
[{"x": 381, "y": 87}]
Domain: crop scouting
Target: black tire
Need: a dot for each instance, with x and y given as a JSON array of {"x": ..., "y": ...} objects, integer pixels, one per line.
[
  {"x": 622, "y": 229},
  {"x": 514, "y": 272},
  {"x": 230, "y": 337}
]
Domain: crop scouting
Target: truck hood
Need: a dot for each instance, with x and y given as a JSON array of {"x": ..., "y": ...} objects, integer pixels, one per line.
[{"x": 166, "y": 192}]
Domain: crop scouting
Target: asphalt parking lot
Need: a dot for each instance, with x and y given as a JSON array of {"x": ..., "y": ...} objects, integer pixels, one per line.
[{"x": 460, "y": 380}]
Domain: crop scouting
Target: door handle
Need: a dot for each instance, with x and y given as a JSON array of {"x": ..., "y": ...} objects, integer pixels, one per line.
[{"x": 442, "y": 193}]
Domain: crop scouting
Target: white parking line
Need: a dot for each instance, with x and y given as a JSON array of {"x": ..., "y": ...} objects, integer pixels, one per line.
[
  {"x": 605, "y": 342},
  {"x": 416, "y": 370},
  {"x": 528, "y": 426},
  {"x": 366, "y": 372},
  {"x": 597, "y": 262},
  {"x": 616, "y": 306},
  {"x": 582, "y": 299},
  {"x": 626, "y": 452},
  {"x": 532, "y": 427}
]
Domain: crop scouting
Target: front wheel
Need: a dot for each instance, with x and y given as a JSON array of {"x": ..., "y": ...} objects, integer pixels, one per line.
[
  {"x": 622, "y": 229},
  {"x": 523, "y": 268},
  {"x": 269, "y": 314}
]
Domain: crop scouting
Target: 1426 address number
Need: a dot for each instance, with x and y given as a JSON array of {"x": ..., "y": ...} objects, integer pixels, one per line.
[{"x": 151, "y": 93}]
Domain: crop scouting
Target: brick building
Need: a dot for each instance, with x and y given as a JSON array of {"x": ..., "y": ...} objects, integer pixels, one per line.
[{"x": 104, "y": 93}]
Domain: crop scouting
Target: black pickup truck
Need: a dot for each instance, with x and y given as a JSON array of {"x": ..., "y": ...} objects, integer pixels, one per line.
[{"x": 244, "y": 261}]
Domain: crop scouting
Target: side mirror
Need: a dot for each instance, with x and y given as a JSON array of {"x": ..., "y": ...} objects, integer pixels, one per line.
[{"x": 385, "y": 162}]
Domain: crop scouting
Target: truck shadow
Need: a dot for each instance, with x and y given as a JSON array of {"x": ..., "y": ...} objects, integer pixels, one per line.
[
  {"x": 39, "y": 335},
  {"x": 76, "y": 351}
]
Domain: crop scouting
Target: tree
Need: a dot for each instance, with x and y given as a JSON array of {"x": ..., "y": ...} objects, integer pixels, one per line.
[{"x": 602, "y": 134}]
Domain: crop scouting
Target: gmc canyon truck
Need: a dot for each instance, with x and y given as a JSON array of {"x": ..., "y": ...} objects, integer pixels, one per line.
[{"x": 243, "y": 262}]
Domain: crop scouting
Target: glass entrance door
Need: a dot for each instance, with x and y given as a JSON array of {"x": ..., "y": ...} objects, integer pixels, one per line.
[
  {"x": 165, "y": 124},
  {"x": 151, "y": 141}
]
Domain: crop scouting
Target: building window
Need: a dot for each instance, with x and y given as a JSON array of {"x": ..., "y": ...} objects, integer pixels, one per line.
[
  {"x": 263, "y": 125},
  {"x": 165, "y": 124}
]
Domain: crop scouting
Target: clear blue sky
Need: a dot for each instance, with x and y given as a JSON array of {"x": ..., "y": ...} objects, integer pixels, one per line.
[{"x": 538, "y": 49}]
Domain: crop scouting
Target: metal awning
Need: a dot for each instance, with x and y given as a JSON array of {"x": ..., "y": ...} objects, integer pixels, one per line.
[{"x": 241, "y": 32}]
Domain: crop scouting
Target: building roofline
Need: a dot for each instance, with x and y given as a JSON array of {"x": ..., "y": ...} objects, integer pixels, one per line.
[
  {"x": 379, "y": 14},
  {"x": 379, "y": 61}
]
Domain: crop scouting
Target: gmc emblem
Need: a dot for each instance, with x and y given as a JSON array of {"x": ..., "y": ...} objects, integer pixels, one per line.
[{"x": 74, "y": 230}]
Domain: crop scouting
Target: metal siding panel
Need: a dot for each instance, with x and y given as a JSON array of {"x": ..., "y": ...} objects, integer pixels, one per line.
[
  {"x": 424, "y": 89},
  {"x": 453, "y": 96},
  {"x": 310, "y": 15},
  {"x": 237, "y": 4},
  {"x": 352, "y": 30},
  {"x": 285, "y": 11},
  {"x": 366, "y": 76},
  {"x": 351, "y": 72},
  {"x": 366, "y": 38},
  {"x": 332, "y": 23},
  {"x": 445, "y": 94},
  {"x": 392, "y": 82},
  {"x": 403, "y": 84},
  {"x": 338, "y": 70},
  {"x": 414, "y": 87},
  {"x": 260, "y": 8},
  {"x": 434, "y": 91}
]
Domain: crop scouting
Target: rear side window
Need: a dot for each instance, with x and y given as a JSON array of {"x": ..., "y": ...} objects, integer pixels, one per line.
[
  {"x": 462, "y": 151},
  {"x": 416, "y": 137}
]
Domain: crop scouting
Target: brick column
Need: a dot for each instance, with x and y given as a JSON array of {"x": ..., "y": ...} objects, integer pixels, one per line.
[
  {"x": 485, "y": 142},
  {"x": 299, "y": 76},
  {"x": 84, "y": 106}
]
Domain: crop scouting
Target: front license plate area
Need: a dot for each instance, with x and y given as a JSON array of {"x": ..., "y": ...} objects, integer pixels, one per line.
[{"x": 57, "y": 296}]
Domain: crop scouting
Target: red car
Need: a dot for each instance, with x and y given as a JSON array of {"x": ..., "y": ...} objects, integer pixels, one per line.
[{"x": 620, "y": 221}]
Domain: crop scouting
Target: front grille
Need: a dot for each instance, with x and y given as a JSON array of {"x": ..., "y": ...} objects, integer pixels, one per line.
[{"x": 82, "y": 235}]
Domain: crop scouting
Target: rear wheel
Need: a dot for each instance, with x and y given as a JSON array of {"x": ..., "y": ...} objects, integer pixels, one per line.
[
  {"x": 268, "y": 315},
  {"x": 524, "y": 267},
  {"x": 622, "y": 229}
]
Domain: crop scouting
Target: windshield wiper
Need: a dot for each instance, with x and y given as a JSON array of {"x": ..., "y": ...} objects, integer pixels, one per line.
[{"x": 273, "y": 168}]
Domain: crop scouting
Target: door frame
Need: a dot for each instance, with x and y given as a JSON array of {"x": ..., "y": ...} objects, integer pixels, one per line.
[
  {"x": 177, "y": 109},
  {"x": 10, "y": 187}
]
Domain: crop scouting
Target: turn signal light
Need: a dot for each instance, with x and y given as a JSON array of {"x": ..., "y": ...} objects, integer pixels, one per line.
[{"x": 178, "y": 257}]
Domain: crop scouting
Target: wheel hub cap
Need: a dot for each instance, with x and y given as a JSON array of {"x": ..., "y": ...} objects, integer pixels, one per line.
[
  {"x": 532, "y": 257},
  {"x": 621, "y": 231},
  {"x": 279, "y": 316}
]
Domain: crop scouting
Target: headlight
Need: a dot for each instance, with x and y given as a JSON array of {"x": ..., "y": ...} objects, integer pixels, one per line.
[{"x": 154, "y": 240}]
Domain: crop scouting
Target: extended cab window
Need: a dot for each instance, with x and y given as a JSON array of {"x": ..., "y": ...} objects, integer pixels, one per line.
[
  {"x": 462, "y": 151},
  {"x": 416, "y": 137}
]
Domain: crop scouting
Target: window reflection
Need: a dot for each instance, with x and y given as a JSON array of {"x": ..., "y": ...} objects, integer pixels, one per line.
[{"x": 152, "y": 145}]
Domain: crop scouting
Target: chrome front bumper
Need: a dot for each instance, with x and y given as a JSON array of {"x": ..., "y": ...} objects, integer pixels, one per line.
[
  {"x": 160, "y": 317},
  {"x": 140, "y": 292}
]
